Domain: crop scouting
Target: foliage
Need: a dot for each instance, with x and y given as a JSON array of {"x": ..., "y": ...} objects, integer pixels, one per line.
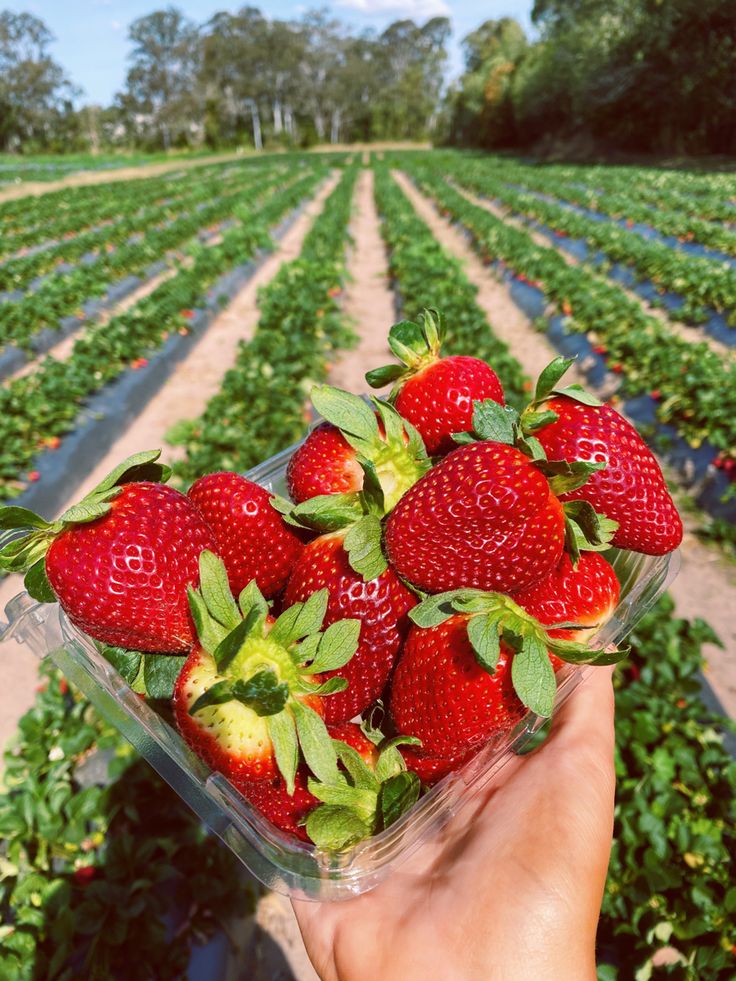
[
  {"x": 99, "y": 860},
  {"x": 673, "y": 863}
]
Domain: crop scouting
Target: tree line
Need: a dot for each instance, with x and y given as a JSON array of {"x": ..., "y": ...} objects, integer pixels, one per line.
[{"x": 651, "y": 76}]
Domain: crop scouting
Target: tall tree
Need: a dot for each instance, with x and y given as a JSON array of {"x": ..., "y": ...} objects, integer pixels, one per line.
[
  {"x": 161, "y": 94},
  {"x": 35, "y": 94}
]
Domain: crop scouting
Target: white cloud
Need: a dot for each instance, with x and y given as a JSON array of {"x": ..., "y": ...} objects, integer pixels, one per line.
[
  {"x": 416, "y": 9},
  {"x": 115, "y": 25}
]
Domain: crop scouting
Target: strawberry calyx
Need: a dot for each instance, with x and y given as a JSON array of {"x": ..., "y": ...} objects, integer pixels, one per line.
[
  {"x": 365, "y": 799},
  {"x": 493, "y": 618},
  {"x": 270, "y": 667},
  {"x": 26, "y": 537},
  {"x": 416, "y": 345},
  {"x": 392, "y": 461}
]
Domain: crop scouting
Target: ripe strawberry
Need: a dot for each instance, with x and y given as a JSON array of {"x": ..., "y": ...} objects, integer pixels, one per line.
[
  {"x": 252, "y": 538},
  {"x": 435, "y": 394},
  {"x": 327, "y": 463},
  {"x": 120, "y": 562},
  {"x": 472, "y": 665},
  {"x": 631, "y": 489},
  {"x": 431, "y": 769},
  {"x": 587, "y": 595},
  {"x": 289, "y": 811},
  {"x": 250, "y": 694},
  {"x": 381, "y": 604},
  {"x": 483, "y": 517}
]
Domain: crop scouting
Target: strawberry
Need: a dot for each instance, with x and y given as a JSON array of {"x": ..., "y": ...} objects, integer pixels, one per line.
[
  {"x": 485, "y": 517},
  {"x": 630, "y": 488},
  {"x": 334, "y": 456},
  {"x": 120, "y": 561},
  {"x": 431, "y": 769},
  {"x": 434, "y": 394},
  {"x": 250, "y": 694},
  {"x": 472, "y": 665},
  {"x": 288, "y": 811},
  {"x": 325, "y": 463},
  {"x": 252, "y": 539},
  {"x": 381, "y": 604}
]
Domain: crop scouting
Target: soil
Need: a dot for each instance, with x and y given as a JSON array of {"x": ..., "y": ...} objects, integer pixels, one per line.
[
  {"x": 706, "y": 585},
  {"x": 184, "y": 396}
]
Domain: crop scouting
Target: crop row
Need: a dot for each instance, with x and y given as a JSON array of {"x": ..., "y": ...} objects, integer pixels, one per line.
[
  {"x": 623, "y": 206},
  {"x": 45, "y": 405},
  {"x": 59, "y": 295},
  {"x": 423, "y": 273},
  {"x": 260, "y": 408},
  {"x": 694, "y": 390},
  {"x": 699, "y": 281},
  {"x": 20, "y": 272}
]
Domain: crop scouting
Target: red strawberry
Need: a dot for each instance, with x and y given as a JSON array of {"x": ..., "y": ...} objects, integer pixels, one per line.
[
  {"x": 250, "y": 693},
  {"x": 286, "y": 811},
  {"x": 325, "y": 463},
  {"x": 472, "y": 665},
  {"x": 631, "y": 489},
  {"x": 381, "y": 605},
  {"x": 435, "y": 394},
  {"x": 587, "y": 595},
  {"x": 483, "y": 517},
  {"x": 444, "y": 697},
  {"x": 120, "y": 562},
  {"x": 431, "y": 769},
  {"x": 252, "y": 538}
]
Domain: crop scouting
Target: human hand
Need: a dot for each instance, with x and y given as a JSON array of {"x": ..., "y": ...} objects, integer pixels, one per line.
[{"x": 510, "y": 890}]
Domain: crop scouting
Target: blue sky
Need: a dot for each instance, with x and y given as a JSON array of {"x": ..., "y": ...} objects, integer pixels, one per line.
[{"x": 91, "y": 34}]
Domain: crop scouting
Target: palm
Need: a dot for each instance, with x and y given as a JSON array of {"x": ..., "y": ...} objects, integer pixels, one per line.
[{"x": 511, "y": 888}]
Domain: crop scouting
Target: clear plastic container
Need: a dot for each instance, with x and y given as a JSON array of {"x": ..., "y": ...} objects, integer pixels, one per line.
[{"x": 281, "y": 862}]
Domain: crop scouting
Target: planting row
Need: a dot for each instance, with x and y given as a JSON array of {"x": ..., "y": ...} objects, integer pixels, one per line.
[
  {"x": 19, "y": 272},
  {"x": 36, "y": 410},
  {"x": 700, "y": 282},
  {"x": 62, "y": 294},
  {"x": 416, "y": 260},
  {"x": 260, "y": 407},
  {"x": 692, "y": 388}
]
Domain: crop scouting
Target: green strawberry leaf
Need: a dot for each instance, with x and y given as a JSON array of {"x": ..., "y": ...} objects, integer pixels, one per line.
[
  {"x": 282, "y": 730},
  {"x": 160, "y": 672},
  {"x": 485, "y": 641},
  {"x": 37, "y": 583},
  {"x": 462, "y": 439},
  {"x": 139, "y": 466},
  {"x": 334, "y": 828},
  {"x": 434, "y": 610},
  {"x": 358, "y": 770},
  {"x": 363, "y": 545},
  {"x": 316, "y": 744},
  {"x": 495, "y": 422},
  {"x": 341, "y": 794},
  {"x": 327, "y": 512},
  {"x": 262, "y": 693},
  {"x": 215, "y": 588},
  {"x": 390, "y": 761},
  {"x": 378, "y": 377},
  {"x": 229, "y": 647},
  {"x": 209, "y": 631},
  {"x": 550, "y": 376},
  {"x": 349, "y": 413},
  {"x": 408, "y": 343},
  {"x": 393, "y": 424},
  {"x": 596, "y": 530},
  {"x": 565, "y": 476},
  {"x": 252, "y": 598},
  {"x": 13, "y": 517},
  {"x": 397, "y": 795},
  {"x": 532, "y": 447},
  {"x": 532, "y": 422},
  {"x": 126, "y": 663},
  {"x": 337, "y": 645},
  {"x": 301, "y": 619},
  {"x": 533, "y": 676},
  {"x": 371, "y": 496},
  {"x": 329, "y": 687},
  {"x": 90, "y": 509},
  {"x": 578, "y": 393}
]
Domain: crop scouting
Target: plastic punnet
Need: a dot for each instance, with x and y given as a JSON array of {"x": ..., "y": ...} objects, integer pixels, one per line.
[{"x": 280, "y": 861}]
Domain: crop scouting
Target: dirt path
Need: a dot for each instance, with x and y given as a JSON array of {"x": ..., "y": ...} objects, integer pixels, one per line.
[
  {"x": 682, "y": 330},
  {"x": 706, "y": 586},
  {"x": 184, "y": 395},
  {"x": 91, "y": 177},
  {"x": 368, "y": 300}
]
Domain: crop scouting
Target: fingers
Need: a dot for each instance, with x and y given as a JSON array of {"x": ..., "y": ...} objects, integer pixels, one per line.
[{"x": 587, "y": 716}]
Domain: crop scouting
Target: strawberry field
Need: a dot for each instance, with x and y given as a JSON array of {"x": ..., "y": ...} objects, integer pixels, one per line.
[{"x": 109, "y": 298}]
